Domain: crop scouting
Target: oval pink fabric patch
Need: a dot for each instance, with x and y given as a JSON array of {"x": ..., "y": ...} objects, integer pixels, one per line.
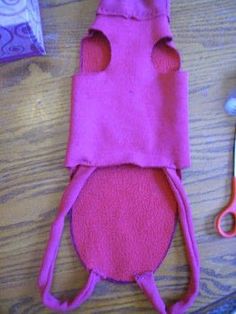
[{"x": 123, "y": 221}]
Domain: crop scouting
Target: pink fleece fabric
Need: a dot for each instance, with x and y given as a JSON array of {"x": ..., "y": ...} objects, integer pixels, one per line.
[
  {"x": 126, "y": 227},
  {"x": 129, "y": 113},
  {"x": 140, "y": 10},
  {"x": 128, "y": 142}
]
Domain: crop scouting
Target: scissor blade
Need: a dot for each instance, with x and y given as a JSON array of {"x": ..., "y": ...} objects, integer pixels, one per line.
[{"x": 235, "y": 152}]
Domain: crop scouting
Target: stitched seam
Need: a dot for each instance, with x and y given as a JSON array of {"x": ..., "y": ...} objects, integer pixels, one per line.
[{"x": 148, "y": 14}]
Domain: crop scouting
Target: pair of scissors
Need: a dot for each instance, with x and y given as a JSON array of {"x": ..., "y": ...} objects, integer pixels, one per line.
[{"x": 231, "y": 207}]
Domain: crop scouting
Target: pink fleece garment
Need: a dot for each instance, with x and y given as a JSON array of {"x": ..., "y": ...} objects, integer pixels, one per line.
[
  {"x": 129, "y": 113},
  {"x": 128, "y": 141}
]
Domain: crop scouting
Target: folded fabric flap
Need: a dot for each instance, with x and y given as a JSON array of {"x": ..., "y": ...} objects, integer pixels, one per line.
[{"x": 140, "y": 10}]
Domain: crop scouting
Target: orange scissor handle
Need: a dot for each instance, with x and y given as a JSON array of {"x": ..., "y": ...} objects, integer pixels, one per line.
[{"x": 230, "y": 209}]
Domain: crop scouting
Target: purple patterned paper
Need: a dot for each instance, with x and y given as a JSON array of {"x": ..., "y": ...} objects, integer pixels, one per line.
[{"x": 20, "y": 30}]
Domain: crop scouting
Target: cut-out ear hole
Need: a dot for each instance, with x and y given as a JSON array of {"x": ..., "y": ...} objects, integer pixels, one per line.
[
  {"x": 95, "y": 52},
  {"x": 165, "y": 58}
]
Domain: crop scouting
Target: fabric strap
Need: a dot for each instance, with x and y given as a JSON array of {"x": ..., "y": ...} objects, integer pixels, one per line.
[
  {"x": 147, "y": 284},
  {"x": 146, "y": 281},
  {"x": 185, "y": 218},
  {"x": 48, "y": 264}
]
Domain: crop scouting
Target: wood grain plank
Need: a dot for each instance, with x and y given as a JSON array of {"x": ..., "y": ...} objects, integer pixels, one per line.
[{"x": 34, "y": 122}]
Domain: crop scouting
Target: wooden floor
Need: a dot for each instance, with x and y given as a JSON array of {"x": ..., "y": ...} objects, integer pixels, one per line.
[{"x": 34, "y": 121}]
